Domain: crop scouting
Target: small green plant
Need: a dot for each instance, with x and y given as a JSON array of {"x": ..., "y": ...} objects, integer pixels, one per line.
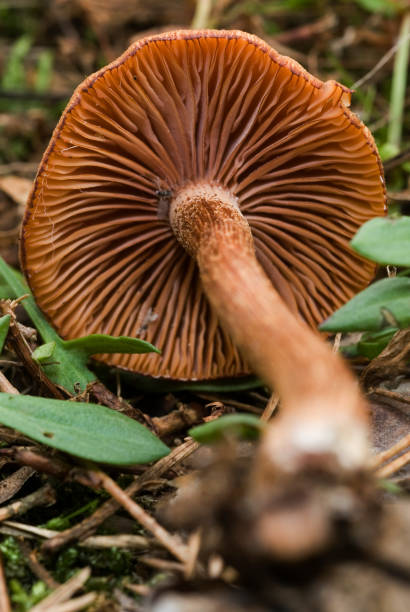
[
  {"x": 14, "y": 75},
  {"x": 4, "y": 328},
  {"x": 244, "y": 426},
  {"x": 25, "y": 599},
  {"x": 384, "y": 307}
]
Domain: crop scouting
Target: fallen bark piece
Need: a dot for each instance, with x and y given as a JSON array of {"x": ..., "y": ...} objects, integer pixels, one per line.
[{"x": 12, "y": 484}]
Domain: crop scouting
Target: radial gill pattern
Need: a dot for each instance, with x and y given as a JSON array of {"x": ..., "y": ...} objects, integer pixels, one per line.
[{"x": 97, "y": 247}]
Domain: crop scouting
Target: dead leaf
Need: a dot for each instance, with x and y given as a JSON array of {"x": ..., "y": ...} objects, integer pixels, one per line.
[{"x": 17, "y": 188}]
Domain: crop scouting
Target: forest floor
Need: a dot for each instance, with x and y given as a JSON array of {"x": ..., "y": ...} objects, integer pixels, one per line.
[{"x": 63, "y": 540}]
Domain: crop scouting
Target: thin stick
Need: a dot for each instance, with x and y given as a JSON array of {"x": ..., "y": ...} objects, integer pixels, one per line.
[
  {"x": 393, "y": 466},
  {"x": 229, "y": 402},
  {"x": 32, "y": 530},
  {"x": 139, "y": 589},
  {"x": 270, "y": 407},
  {"x": 382, "y": 62},
  {"x": 170, "y": 542},
  {"x": 336, "y": 343},
  {"x": 390, "y": 394},
  {"x": 120, "y": 540},
  {"x": 89, "y": 524},
  {"x": 63, "y": 592},
  {"x": 78, "y": 603},
  {"x": 162, "y": 564},
  {"x": 4, "y": 596},
  {"x": 394, "y": 450},
  {"x": 6, "y": 386},
  {"x": 36, "y": 567},
  {"x": 41, "y": 497},
  {"x": 194, "y": 546}
]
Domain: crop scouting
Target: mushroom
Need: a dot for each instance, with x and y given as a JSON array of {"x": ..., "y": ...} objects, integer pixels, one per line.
[{"x": 200, "y": 192}]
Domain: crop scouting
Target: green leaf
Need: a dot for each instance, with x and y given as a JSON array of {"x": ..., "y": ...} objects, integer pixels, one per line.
[
  {"x": 5, "y": 292},
  {"x": 102, "y": 343},
  {"x": 385, "y": 240},
  {"x": 378, "y": 6},
  {"x": 43, "y": 352},
  {"x": 372, "y": 343},
  {"x": 245, "y": 426},
  {"x": 384, "y": 304},
  {"x": 4, "y": 330},
  {"x": 88, "y": 431}
]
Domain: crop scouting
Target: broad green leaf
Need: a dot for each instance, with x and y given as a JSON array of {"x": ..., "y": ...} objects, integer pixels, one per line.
[
  {"x": 102, "y": 343},
  {"x": 4, "y": 329},
  {"x": 5, "y": 292},
  {"x": 384, "y": 304},
  {"x": 43, "y": 352},
  {"x": 88, "y": 431},
  {"x": 385, "y": 240},
  {"x": 246, "y": 426}
]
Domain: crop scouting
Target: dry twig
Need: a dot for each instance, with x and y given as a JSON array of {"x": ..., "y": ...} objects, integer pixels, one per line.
[
  {"x": 270, "y": 407},
  {"x": 230, "y": 402},
  {"x": 382, "y": 62},
  {"x": 394, "y": 466},
  {"x": 120, "y": 540},
  {"x": 391, "y": 452},
  {"x": 36, "y": 567},
  {"x": 171, "y": 542},
  {"x": 41, "y": 497},
  {"x": 64, "y": 592},
  {"x": 6, "y": 386},
  {"x": 88, "y": 525}
]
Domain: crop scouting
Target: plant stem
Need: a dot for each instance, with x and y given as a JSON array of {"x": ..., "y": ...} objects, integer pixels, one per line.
[
  {"x": 398, "y": 90},
  {"x": 202, "y": 14}
]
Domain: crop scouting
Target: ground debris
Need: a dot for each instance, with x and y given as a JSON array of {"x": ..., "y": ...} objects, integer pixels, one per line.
[{"x": 295, "y": 547}]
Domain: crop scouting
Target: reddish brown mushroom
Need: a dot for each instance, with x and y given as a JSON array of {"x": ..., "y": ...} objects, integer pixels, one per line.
[
  {"x": 202, "y": 168},
  {"x": 220, "y": 120}
]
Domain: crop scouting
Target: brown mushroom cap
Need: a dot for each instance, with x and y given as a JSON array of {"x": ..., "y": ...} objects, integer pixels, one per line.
[{"x": 184, "y": 107}]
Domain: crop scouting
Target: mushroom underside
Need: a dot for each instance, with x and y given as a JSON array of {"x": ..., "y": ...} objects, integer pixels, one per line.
[{"x": 186, "y": 109}]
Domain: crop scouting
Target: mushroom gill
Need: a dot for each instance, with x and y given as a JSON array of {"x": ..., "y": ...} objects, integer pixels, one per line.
[{"x": 178, "y": 110}]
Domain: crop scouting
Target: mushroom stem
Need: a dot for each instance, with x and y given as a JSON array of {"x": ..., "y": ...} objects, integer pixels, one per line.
[{"x": 323, "y": 413}]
